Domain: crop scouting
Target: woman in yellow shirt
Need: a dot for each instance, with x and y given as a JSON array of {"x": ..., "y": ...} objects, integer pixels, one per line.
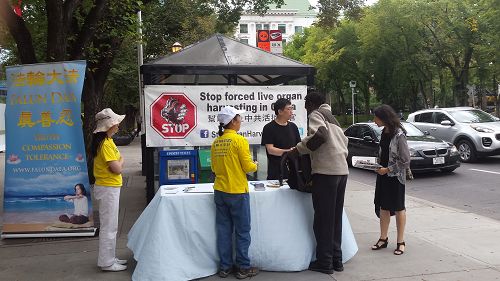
[
  {"x": 231, "y": 161},
  {"x": 108, "y": 165}
]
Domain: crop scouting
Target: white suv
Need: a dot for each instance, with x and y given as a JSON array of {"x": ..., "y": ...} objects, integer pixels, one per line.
[{"x": 474, "y": 132}]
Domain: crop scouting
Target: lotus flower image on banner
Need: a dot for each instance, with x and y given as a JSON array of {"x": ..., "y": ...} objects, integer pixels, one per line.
[{"x": 46, "y": 183}]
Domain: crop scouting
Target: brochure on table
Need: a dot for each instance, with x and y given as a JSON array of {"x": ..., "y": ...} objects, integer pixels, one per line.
[{"x": 166, "y": 190}]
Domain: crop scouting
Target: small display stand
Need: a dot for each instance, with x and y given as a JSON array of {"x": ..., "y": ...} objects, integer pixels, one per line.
[
  {"x": 205, "y": 171},
  {"x": 178, "y": 167}
]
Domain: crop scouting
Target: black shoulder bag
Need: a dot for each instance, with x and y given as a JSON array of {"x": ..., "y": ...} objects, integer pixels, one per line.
[{"x": 299, "y": 171}]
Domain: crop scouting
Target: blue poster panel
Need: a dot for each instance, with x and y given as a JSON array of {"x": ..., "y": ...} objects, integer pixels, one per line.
[{"x": 46, "y": 183}]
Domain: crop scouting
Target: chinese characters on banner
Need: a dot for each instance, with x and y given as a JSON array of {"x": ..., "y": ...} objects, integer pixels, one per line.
[
  {"x": 187, "y": 115},
  {"x": 45, "y": 161}
]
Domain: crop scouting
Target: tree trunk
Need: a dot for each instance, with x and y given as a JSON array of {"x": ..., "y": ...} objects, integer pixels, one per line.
[
  {"x": 414, "y": 98},
  {"x": 424, "y": 95},
  {"x": 19, "y": 32},
  {"x": 56, "y": 41},
  {"x": 460, "y": 93},
  {"x": 496, "y": 90},
  {"x": 342, "y": 101},
  {"x": 91, "y": 100},
  {"x": 431, "y": 91},
  {"x": 442, "y": 88}
]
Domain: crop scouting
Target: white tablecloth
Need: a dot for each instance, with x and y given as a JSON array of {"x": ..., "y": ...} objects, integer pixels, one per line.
[{"x": 175, "y": 237}]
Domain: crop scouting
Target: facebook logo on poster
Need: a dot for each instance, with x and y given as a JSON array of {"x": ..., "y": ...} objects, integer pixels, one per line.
[
  {"x": 301, "y": 131},
  {"x": 204, "y": 134}
]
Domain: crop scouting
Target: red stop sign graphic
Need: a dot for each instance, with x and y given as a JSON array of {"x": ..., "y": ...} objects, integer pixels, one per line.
[{"x": 173, "y": 115}]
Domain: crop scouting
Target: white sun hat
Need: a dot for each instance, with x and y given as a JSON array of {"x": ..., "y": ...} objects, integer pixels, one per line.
[
  {"x": 227, "y": 114},
  {"x": 105, "y": 119}
]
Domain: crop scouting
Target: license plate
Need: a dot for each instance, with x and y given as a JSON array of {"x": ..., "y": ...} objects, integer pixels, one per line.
[{"x": 438, "y": 160}]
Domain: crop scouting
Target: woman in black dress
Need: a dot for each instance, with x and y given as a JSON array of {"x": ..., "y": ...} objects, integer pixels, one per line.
[{"x": 394, "y": 157}]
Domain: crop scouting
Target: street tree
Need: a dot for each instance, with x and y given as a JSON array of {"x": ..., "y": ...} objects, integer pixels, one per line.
[
  {"x": 331, "y": 12},
  {"x": 94, "y": 30}
]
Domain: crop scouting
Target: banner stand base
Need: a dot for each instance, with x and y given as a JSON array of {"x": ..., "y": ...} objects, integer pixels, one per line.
[{"x": 88, "y": 232}]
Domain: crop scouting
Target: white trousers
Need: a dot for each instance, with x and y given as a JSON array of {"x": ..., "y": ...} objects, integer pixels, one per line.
[{"x": 109, "y": 206}]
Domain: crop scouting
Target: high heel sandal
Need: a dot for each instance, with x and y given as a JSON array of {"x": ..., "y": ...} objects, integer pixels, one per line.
[
  {"x": 398, "y": 250},
  {"x": 378, "y": 246}
]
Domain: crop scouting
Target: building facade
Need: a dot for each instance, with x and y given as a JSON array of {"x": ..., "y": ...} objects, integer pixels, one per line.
[{"x": 290, "y": 18}]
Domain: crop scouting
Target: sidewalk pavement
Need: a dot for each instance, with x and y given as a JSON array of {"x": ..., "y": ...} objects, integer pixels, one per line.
[{"x": 442, "y": 243}]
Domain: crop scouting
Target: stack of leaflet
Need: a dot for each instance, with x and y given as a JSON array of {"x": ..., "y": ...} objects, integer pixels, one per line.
[
  {"x": 273, "y": 183},
  {"x": 169, "y": 189},
  {"x": 368, "y": 163},
  {"x": 200, "y": 188}
]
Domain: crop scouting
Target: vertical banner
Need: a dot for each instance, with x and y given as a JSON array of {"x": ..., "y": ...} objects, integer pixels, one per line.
[
  {"x": 46, "y": 191},
  {"x": 187, "y": 115}
]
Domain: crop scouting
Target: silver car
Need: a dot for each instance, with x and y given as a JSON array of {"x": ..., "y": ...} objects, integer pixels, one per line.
[{"x": 474, "y": 132}]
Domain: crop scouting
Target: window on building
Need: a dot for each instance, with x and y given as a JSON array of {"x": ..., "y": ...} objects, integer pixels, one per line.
[
  {"x": 243, "y": 28},
  {"x": 282, "y": 28},
  {"x": 284, "y": 42},
  {"x": 243, "y": 40},
  {"x": 299, "y": 29},
  {"x": 261, "y": 26}
]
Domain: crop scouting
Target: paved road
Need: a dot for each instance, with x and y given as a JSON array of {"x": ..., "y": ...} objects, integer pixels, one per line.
[{"x": 472, "y": 187}]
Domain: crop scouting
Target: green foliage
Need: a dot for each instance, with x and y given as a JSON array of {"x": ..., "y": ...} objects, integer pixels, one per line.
[
  {"x": 122, "y": 85},
  {"x": 167, "y": 22},
  {"x": 409, "y": 54},
  {"x": 331, "y": 11}
]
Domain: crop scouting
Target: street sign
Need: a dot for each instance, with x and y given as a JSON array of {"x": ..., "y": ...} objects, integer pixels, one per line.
[
  {"x": 276, "y": 47},
  {"x": 471, "y": 90},
  {"x": 276, "y": 40},
  {"x": 173, "y": 115},
  {"x": 472, "y": 93}
]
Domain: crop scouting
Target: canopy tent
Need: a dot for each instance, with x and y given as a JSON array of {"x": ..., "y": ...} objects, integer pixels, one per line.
[{"x": 218, "y": 60}]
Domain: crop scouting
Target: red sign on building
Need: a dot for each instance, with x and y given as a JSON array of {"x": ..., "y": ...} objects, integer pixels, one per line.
[
  {"x": 275, "y": 35},
  {"x": 270, "y": 40},
  {"x": 173, "y": 115},
  {"x": 263, "y": 40}
]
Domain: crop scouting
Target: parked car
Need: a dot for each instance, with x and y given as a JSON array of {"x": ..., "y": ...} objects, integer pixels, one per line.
[
  {"x": 474, "y": 132},
  {"x": 427, "y": 152}
]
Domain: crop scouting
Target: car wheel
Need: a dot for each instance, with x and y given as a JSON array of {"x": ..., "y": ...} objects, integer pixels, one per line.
[
  {"x": 448, "y": 170},
  {"x": 466, "y": 150}
]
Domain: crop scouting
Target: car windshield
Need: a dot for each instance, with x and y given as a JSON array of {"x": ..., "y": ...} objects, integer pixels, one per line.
[
  {"x": 472, "y": 116},
  {"x": 411, "y": 130},
  {"x": 377, "y": 130}
]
